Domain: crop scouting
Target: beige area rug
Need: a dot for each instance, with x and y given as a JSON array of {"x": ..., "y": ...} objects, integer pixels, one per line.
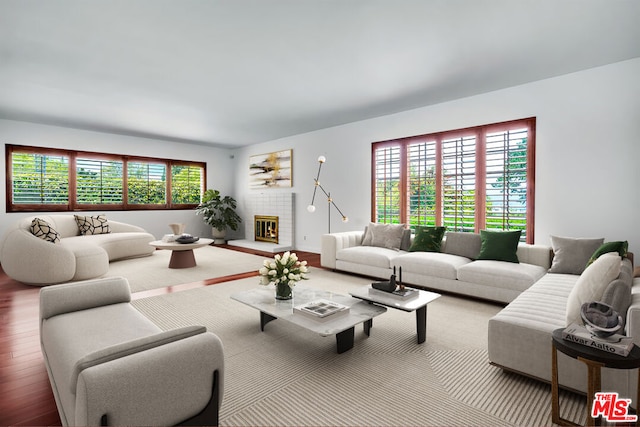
[
  {"x": 153, "y": 271},
  {"x": 288, "y": 376}
]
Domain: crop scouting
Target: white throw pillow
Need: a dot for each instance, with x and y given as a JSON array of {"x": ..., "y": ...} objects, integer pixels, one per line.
[{"x": 592, "y": 284}]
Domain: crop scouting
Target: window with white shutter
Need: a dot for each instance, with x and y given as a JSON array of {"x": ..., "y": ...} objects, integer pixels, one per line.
[
  {"x": 465, "y": 179},
  {"x": 38, "y": 179},
  {"x": 422, "y": 181},
  {"x": 146, "y": 183},
  {"x": 187, "y": 184},
  {"x": 51, "y": 179},
  {"x": 386, "y": 184},
  {"x": 99, "y": 181}
]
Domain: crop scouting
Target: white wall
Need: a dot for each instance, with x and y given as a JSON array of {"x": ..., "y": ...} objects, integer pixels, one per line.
[
  {"x": 587, "y": 176},
  {"x": 587, "y": 173},
  {"x": 220, "y": 168}
]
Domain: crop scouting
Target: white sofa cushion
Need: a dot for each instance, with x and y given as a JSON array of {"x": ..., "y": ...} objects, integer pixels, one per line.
[
  {"x": 368, "y": 255},
  {"x": 435, "y": 264},
  {"x": 91, "y": 261},
  {"x": 591, "y": 284},
  {"x": 117, "y": 245},
  {"x": 501, "y": 274},
  {"x": 519, "y": 336},
  {"x": 66, "y": 225},
  {"x": 463, "y": 244}
]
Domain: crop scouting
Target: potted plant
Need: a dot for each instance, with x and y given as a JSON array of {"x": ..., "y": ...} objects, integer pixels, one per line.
[{"x": 219, "y": 212}]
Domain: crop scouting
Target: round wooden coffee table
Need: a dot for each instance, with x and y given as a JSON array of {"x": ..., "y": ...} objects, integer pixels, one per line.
[{"x": 181, "y": 253}]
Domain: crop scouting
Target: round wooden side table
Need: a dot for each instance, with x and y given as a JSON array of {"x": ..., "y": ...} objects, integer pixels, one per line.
[
  {"x": 595, "y": 360},
  {"x": 181, "y": 253}
]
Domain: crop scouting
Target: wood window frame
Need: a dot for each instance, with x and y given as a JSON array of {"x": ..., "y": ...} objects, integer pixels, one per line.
[
  {"x": 72, "y": 204},
  {"x": 480, "y": 133}
]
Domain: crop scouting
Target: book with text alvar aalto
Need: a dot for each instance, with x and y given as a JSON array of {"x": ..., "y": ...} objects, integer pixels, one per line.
[{"x": 616, "y": 343}]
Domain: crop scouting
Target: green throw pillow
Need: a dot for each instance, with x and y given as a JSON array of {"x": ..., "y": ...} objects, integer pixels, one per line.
[
  {"x": 499, "y": 245},
  {"x": 621, "y": 247},
  {"x": 428, "y": 239}
]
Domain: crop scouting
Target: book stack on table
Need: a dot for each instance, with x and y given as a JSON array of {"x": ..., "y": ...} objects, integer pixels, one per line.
[
  {"x": 616, "y": 343},
  {"x": 322, "y": 310}
]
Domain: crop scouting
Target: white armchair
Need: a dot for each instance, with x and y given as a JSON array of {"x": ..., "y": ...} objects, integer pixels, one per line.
[{"x": 110, "y": 365}]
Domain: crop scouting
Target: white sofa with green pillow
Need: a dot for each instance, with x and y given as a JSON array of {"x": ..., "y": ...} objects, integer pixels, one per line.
[
  {"x": 453, "y": 267},
  {"x": 48, "y": 249},
  {"x": 108, "y": 364},
  {"x": 544, "y": 292}
]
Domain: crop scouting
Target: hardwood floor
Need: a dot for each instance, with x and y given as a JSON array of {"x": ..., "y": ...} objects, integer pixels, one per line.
[{"x": 25, "y": 393}]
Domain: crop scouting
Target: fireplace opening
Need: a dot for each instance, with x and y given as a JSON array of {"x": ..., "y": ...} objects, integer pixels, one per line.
[{"x": 266, "y": 228}]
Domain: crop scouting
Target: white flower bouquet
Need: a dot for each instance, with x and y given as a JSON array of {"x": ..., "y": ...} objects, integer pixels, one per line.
[{"x": 284, "y": 272}]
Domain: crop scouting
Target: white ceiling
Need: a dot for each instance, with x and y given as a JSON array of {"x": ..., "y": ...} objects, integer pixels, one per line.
[{"x": 238, "y": 72}]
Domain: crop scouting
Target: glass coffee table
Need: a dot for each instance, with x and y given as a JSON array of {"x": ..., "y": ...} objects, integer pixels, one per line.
[
  {"x": 416, "y": 303},
  {"x": 343, "y": 326}
]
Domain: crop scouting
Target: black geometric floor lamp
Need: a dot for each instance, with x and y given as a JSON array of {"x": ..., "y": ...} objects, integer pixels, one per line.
[{"x": 311, "y": 208}]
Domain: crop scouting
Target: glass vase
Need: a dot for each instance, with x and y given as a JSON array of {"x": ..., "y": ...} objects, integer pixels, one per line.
[{"x": 283, "y": 291}]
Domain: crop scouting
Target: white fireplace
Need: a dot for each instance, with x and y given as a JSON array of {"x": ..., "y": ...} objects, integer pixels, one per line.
[{"x": 271, "y": 205}]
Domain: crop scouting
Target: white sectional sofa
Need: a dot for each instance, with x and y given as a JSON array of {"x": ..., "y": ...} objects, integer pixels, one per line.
[
  {"x": 110, "y": 365},
  {"x": 61, "y": 253},
  {"x": 543, "y": 292},
  {"x": 519, "y": 337},
  {"x": 451, "y": 270}
]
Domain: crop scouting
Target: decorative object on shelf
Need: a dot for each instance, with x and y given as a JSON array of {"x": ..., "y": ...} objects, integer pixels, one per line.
[
  {"x": 177, "y": 228},
  {"x": 600, "y": 319},
  {"x": 271, "y": 170},
  {"x": 187, "y": 238},
  {"x": 219, "y": 212},
  {"x": 284, "y": 272},
  {"x": 311, "y": 208},
  {"x": 391, "y": 285}
]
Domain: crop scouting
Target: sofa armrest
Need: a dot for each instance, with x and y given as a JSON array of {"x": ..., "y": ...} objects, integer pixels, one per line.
[
  {"x": 130, "y": 347},
  {"x": 69, "y": 297},
  {"x": 160, "y": 386},
  {"x": 20, "y": 250},
  {"x": 535, "y": 254},
  {"x": 332, "y": 243},
  {"x": 633, "y": 313}
]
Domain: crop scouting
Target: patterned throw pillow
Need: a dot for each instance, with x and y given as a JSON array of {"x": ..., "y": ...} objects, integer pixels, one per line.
[
  {"x": 89, "y": 225},
  {"x": 42, "y": 229}
]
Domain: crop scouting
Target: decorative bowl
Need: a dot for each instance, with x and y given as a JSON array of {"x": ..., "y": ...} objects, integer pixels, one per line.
[
  {"x": 600, "y": 319},
  {"x": 187, "y": 238}
]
